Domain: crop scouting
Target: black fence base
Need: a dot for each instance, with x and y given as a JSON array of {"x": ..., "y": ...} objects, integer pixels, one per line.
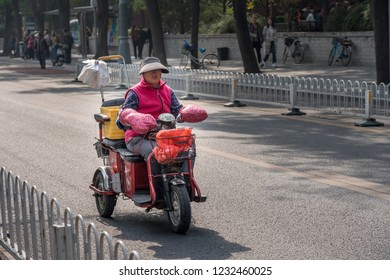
[
  {"x": 294, "y": 112},
  {"x": 369, "y": 122},
  {"x": 189, "y": 97},
  {"x": 76, "y": 80},
  {"x": 234, "y": 103}
]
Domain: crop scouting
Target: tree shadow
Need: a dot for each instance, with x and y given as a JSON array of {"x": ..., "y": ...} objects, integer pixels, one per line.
[{"x": 197, "y": 244}]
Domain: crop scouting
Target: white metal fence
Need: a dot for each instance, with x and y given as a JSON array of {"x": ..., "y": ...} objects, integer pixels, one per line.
[
  {"x": 32, "y": 227},
  {"x": 339, "y": 96}
]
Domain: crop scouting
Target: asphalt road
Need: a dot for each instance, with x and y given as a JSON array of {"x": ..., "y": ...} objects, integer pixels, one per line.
[{"x": 279, "y": 187}]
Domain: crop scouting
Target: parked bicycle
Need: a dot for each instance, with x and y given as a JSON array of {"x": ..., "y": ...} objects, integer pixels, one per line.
[
  {"x": 293, "y": 49},
  {"x": 342, "y": 48},
  {"x": 209, "y": 61}
]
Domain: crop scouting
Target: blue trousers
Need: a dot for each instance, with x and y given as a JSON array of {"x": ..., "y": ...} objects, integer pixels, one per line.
[{"x": 272, "y": 51}]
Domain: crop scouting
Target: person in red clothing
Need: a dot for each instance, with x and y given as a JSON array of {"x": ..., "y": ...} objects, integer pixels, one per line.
[{"x": 145, "y": 101}]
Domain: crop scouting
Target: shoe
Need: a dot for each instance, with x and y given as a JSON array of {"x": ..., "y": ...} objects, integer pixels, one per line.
[
  {"x": 273, "y": 65},
  {"x": 262, "y": 64}
]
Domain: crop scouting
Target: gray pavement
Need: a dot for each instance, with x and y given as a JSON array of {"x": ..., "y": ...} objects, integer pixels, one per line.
[
  {"x": 294, "y": 175},
  {"x": 301, "y": 188},
  {"x": 336, "y": 71}
]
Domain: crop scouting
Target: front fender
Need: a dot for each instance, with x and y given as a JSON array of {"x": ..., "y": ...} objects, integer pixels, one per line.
[{"x": 178, "y": 181}]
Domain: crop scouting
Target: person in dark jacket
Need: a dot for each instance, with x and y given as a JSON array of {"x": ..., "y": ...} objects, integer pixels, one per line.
[
  {"x": 256, "y": 38},
  {"x": 68, "y": 45},
  {"x": 134, "y": 39},
  {"x": 42, "y": 48},
  {"x": 150, "y": 40},
  {"x": 141, "y": 42}
]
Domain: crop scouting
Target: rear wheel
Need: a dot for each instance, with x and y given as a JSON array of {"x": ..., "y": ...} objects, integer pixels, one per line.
[
  {"x": 285, "y": 54},
  {"x": 346, "y": 55},
  {"x": 298, "y": 54},
  {"x": 105, "y": 204},
  {"x": 210, "y": 61},
  {"x": 184, "y": 62},
  {"x": 331, "y": 56},
  {"x": 180, "y": 217}
]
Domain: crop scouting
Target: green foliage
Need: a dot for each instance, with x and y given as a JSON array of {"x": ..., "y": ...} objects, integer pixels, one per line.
[
  {"x": 279, "y": 19},
  {"x": 177, "y": 16},
  {"x": 138, "y": 5},
  {"x": 224, "y": 25},
  {"x": 77, "y": 3},
  {"x": 210, "y": 12},
  {"x": 335, "y": 21},
  {"x": 357, "y": 18}
]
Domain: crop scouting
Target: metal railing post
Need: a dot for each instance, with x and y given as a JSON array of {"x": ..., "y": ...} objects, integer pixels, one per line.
[
  {"x": 368, "y": 121},
  {"x": 233, "y": 102},
  {"x": 121, "y": 85},
  {"x": 188, "y": 95},
  {"x": 293, "y": 111},
  {"x": 59, "y": 243}
]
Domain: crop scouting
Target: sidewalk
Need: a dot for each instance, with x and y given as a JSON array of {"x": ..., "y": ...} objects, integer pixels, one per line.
[{"x": 336, "y": 71}]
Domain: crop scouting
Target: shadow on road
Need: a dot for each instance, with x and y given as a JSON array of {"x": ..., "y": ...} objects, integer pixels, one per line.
[{"x": 197, "y": 244}]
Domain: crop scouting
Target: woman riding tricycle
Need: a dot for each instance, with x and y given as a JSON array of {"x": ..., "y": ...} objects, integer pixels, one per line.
[{"x": 153, "y": 164}]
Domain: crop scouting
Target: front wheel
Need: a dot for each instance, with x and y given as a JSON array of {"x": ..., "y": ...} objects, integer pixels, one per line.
[
  {"x": 105, "y": 204},
  {"x": 184, "y": 62},
  {"x": 298, "y": 54},
  {"x": 180, "y": 217},
  {"x": 210, "y": 61},
  {"x": 331, "y": 56},
  {"x": 346, "y": 55}
]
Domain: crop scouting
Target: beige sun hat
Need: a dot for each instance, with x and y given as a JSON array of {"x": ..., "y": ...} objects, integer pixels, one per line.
[{"x": 150, "y": 64}]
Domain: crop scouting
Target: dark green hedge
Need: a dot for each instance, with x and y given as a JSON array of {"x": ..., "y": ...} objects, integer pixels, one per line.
[{"x": 357, "y": 18}]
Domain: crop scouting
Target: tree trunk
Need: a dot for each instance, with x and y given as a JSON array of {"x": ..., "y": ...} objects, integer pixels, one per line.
[
  {"x": 224, "y": 4},
  {"x": 17, "y": 24},
  {"x": 102, "y": 28},
  {"x": 195, "y": 31},
  {"x": 380, "y": 20},
  {"x": 38, "y": 7},
  {"x": 157, "y": 30},
  {"x": 8, "y": 30},
  {"x": 64, "y": 17},
  {"x": 244, "y": 41}
]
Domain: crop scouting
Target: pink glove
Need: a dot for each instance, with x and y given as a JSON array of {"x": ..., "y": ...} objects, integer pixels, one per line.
[
  {"x": 140, "y": 123},
  {"x": 192, "y": 114},
  {"x": 125, "y": 112}
]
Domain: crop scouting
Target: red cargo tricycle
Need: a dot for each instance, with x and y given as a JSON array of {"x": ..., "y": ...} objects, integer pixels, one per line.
[{"x": 127, "y": 175}]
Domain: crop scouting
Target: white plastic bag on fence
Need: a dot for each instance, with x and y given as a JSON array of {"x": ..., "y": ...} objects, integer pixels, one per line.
[{"x": 94, "y": 73}]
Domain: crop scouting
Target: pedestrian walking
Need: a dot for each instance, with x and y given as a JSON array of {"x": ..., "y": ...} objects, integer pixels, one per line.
[
  {"x": 47, "y": 37},
  {"x": 141, "y": 42},
  {"x": 30, "y": 46},
  {"x": 150, "y": 41},
  {"x": 134, "y": 39},
  {"x": 256, "y": 38},
  {"x": 42, "y": 48},
  {"x": 68, "y": 45},
  {"x": 56, "y": 45},
  {"x": 269, "y": 35}
]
